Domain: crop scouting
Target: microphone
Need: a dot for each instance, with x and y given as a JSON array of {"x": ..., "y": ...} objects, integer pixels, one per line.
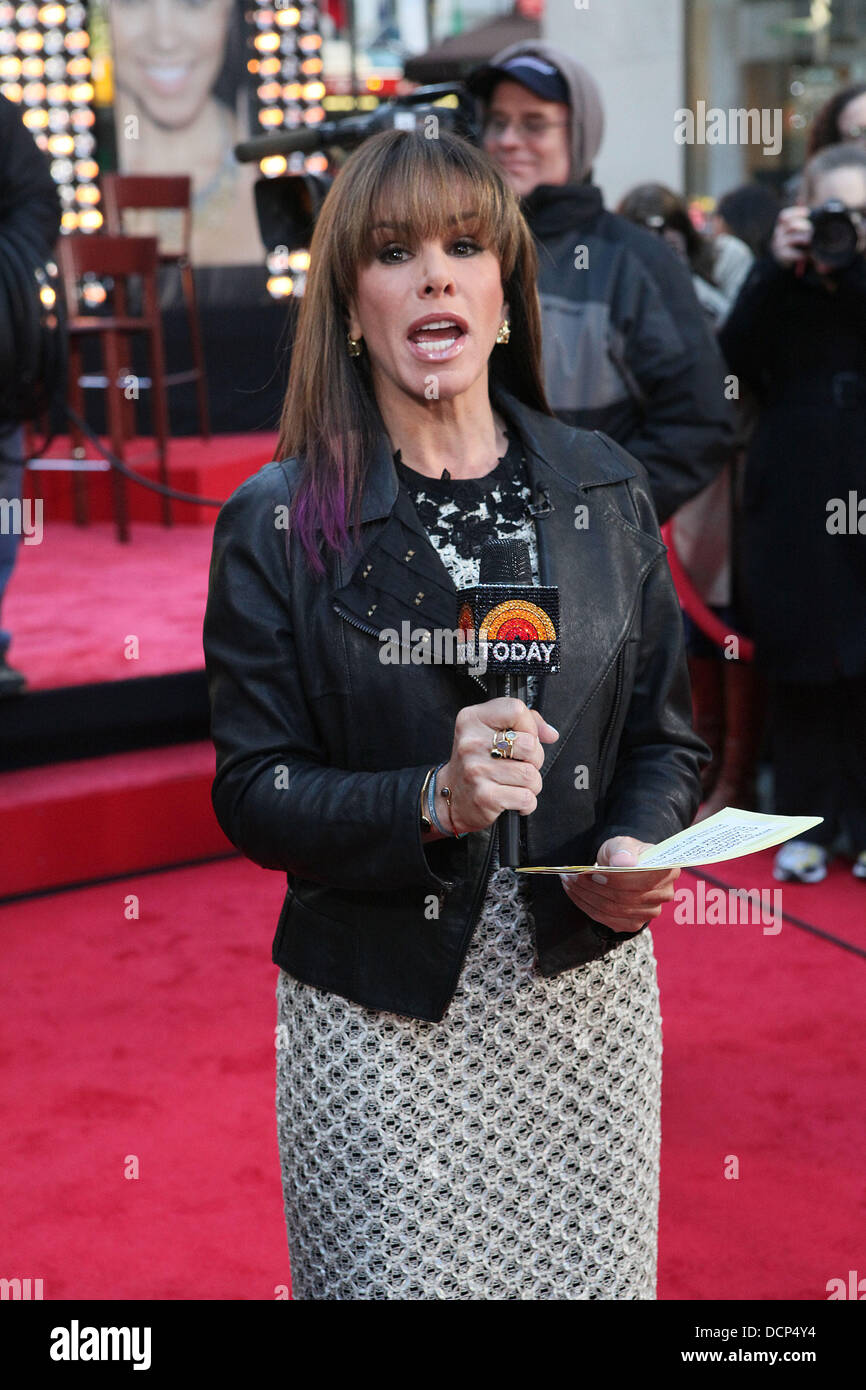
[{"x": 516, "y": 625}]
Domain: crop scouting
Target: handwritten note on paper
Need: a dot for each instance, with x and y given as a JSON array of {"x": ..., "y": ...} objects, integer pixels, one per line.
[{"x": 726, "y": 835}]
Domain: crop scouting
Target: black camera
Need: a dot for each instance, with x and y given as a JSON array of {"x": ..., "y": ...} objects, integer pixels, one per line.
[
  {"x": 288, "y": 205},
  {"x": 835, "y": 235}
]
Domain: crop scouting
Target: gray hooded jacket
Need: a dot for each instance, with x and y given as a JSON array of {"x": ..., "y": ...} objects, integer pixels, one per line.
[{"x": 625, "y": 343}]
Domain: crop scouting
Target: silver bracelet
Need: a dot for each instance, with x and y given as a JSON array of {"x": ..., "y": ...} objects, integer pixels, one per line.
[{"x": 431, "y": 803}]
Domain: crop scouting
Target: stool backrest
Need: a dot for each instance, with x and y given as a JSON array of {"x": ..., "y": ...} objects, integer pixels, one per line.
[
  {"x": 147, "y": 192},
  {"x": 115, "y": 256}
]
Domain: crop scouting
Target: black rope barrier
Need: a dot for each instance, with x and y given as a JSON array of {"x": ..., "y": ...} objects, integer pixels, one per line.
[{"x": 130, "y": 473}]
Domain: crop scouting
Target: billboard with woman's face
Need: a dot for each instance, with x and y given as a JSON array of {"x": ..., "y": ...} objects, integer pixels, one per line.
[{"x": 182, "y": 100}]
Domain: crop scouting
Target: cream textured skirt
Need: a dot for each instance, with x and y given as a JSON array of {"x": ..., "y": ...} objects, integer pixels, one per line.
[{"x": 509, "y": 1152}]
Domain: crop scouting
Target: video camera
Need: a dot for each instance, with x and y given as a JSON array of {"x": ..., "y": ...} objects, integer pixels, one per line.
[{"x": 287, "y": 206}]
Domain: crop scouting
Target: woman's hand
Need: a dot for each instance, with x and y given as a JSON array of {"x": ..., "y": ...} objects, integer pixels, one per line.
[
  {"x": 483, "y": 786},
  {"x": 792, "y": 235},
  {"x": 623, "y": 902}
]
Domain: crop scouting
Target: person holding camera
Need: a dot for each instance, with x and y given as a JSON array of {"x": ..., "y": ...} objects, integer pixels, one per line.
[
  {"x": 468, "y": 1058},
  {"x": 797, "y": 337}
]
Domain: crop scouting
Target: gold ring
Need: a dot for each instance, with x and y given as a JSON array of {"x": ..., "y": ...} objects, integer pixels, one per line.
[{"x": 502, "y": 745}]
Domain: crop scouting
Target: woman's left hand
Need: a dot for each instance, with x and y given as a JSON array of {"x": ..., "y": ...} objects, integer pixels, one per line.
[{"x": 623, "y": 902}]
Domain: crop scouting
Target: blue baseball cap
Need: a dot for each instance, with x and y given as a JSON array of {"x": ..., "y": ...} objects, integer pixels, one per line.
[{"x": 541, "y": 77}]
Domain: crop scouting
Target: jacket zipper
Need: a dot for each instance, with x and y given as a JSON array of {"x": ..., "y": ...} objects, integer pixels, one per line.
[
  {"x": 377, "y": 632},
  {"x": 364, "y": 627}
]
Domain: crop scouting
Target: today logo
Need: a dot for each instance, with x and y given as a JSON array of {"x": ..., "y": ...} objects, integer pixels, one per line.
[{"x": 521, "y": 651}]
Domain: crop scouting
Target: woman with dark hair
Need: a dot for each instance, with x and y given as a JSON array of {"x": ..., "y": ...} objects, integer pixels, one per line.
[
  {"x": 841, "y": 120},
  {"x": 182, "y": 105},
  {"x": 660, "y": 210},
  {"x": 468, "y": 1060}
]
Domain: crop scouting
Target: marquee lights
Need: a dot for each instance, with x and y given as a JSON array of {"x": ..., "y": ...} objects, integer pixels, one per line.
[
  {"x": 286, "y": 44},
  {"x": 45, "y": 68}
]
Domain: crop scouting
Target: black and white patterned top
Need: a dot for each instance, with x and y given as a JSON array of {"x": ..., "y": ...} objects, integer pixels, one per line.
[{"x": 460, "y": 514}]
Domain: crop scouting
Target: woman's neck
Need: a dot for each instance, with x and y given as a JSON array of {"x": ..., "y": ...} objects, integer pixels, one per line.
[{"x": 463, "y": 434}]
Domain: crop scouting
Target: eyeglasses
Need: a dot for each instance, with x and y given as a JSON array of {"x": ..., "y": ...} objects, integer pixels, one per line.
[{"x": 530, "y": 127}]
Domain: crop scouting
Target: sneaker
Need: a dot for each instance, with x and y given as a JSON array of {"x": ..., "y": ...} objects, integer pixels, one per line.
[
  {"x": 800, "y": 862},
  {"x": 859, "y": 869},
  {"x": 12, "y": 682}
]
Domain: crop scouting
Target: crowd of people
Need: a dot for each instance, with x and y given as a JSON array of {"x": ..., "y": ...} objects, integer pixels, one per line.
[{"x": 749, "y": 476}]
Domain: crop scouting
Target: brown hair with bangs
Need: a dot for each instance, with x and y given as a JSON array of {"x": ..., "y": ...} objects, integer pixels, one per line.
[{"x": 330, "y": 420}]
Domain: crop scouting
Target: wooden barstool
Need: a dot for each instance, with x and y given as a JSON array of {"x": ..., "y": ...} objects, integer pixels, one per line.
[
  {"x": 118, "y": 258},
  {"x": 161, "y": 192}
]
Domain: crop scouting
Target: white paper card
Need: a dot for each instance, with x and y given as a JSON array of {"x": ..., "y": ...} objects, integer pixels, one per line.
[{"x": 726, "y": 835}]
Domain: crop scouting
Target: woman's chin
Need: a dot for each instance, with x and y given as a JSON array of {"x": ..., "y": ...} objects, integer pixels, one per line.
[
  {"x": 174, "y": 115},
  {"x": 443, "y": 380},
  {"x": 442, "y": 385}
]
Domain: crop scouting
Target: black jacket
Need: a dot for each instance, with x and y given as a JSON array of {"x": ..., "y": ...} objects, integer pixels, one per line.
[
  {"x": 31, "y": 339},
  {"x": 799, "y": 343},
  {"x": 626, "y": 346},
  {"x": 29, "y": 201},
  {"x": 322, "y": 749}
]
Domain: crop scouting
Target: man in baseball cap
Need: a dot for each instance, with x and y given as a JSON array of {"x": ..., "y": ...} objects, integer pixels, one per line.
[{"x": 626, "y": 347}]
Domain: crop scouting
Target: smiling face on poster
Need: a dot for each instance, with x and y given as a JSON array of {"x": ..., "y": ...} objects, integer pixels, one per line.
[{"x": 182, "y": 99}]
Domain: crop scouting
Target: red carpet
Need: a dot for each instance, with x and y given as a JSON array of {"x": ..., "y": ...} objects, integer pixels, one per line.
[
  {"x": 763, "y": 1061},
  {"x": 148, "y": 1040},
  {"x": 154, "y": 1038},
  {"x": 75, "y": 600},
  {"x": 78, "y": 595}
]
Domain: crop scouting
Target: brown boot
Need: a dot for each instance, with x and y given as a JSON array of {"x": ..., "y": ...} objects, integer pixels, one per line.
[
  {"x": 744, "y": 727},
  {"x": 707, "y": 676}
]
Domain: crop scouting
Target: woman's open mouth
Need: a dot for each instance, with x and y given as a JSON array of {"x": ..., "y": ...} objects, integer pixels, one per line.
[
  {"x": 437, "y": 339},
  {"x": 167, "y": 78}
]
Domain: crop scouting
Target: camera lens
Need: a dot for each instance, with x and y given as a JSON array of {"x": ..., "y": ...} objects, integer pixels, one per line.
[{"x": 834, "y": 236}]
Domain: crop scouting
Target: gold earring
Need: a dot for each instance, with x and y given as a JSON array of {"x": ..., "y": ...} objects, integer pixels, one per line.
[
  {"x": 354, "y": 345},
  {"x": 504, "y": 332}
]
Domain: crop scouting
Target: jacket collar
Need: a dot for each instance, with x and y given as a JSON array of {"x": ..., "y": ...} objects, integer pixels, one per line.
[{"x": 544, "y": 437}]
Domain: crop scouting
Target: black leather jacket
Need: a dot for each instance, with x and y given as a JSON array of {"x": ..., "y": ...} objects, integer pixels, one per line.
[{"x": 322, "y": 749}]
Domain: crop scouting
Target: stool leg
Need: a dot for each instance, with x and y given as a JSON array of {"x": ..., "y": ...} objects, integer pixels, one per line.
[
  {"x": 188, "y": 281},
  {"x": 159, "y": 408},
  {"x": 127, "y": 403},
  {"x": 75, "y": 397},
  {"x": 115, "y": 403}
]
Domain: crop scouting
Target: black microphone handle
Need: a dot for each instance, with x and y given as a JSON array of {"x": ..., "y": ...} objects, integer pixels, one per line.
[{"x": 513, "y": 685}]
